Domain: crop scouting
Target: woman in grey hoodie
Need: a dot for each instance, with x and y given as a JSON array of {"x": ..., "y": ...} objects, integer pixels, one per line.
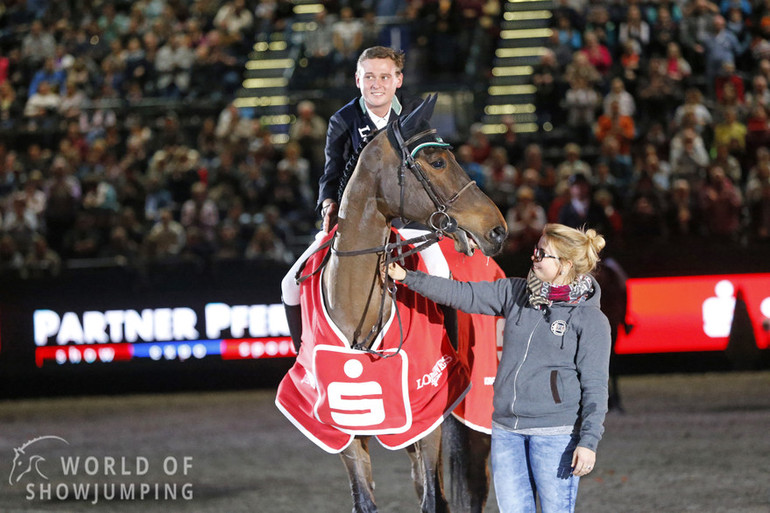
[{"x": 550, "y": 395}]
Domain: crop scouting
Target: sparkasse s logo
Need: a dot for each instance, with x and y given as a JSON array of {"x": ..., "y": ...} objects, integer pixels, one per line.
[{"x": 26, "y": 459}]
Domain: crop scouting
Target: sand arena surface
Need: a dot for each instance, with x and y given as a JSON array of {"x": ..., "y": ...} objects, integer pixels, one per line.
[{"x": 695, "y": 442}]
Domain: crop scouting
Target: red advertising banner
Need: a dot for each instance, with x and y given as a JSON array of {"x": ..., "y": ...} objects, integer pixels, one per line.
[{"x": 692, "y": 313}]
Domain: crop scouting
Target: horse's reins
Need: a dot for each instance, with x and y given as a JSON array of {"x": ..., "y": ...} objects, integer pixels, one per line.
[{"x": 445, "y": 224}]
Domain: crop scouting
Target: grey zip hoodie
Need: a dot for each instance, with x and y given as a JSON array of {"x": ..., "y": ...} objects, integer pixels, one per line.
[{"x": 555, "y": 364}]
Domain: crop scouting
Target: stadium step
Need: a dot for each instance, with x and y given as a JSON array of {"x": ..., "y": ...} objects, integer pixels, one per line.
[{"x": 525, "y": 30}]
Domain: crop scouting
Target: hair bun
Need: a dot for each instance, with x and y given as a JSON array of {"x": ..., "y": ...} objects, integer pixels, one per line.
[{"x": 596, "y": 240}]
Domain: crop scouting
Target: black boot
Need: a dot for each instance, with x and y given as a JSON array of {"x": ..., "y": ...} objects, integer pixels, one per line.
[{"x": 294, "y": 319}]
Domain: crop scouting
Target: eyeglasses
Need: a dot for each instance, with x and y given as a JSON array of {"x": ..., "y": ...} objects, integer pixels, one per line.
[{"x": 539, "y": 254}]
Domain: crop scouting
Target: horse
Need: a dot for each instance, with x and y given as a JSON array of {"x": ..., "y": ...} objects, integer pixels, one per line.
[{"x": 405, "y": 172}]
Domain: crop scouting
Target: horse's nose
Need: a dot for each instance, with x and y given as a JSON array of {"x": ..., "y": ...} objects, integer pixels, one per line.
[{"x": 498, "y": 234}]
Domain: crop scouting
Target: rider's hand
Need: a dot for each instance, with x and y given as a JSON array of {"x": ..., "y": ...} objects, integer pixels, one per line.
[
  {"x": 329, "y": 213},
  {"x": 396, "y": 272}
]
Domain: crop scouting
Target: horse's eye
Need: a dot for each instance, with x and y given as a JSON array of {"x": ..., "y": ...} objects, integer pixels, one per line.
[{"x": 438, "y": 164}]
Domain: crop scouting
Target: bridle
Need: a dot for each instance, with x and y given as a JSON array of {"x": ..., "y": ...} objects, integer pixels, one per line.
[{"x": 440, "y": 223}]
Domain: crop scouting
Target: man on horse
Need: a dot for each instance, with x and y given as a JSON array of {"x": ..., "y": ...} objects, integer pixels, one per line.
[{"x": 378, "y": 78}]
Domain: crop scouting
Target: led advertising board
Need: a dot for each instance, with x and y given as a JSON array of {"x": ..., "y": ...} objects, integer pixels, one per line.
[
  {"x": 179, "y": 332},
  {"x": 693, "y": 313}
]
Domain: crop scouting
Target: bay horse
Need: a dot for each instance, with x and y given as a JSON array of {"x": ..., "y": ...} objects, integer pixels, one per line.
[{"x": 405, "y": 172}]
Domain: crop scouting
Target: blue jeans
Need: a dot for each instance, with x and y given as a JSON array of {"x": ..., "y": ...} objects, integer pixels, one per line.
[{"x": 528, "y": 466}]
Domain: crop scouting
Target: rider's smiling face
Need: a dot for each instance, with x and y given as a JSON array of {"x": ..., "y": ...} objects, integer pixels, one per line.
[{"x": 378, "y": 80}]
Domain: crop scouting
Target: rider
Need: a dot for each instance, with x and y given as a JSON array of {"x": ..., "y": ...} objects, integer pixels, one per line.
[{"x": 378, "y": 78}]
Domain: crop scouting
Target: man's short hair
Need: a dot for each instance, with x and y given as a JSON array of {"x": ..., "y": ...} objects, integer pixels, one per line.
[{"x": 383, "y": 52}]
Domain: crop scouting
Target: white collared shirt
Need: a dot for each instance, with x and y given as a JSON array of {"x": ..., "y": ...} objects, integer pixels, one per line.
[{"x": 379, "y": 122}]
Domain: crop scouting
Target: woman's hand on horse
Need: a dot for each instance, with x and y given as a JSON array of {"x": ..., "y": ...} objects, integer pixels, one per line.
[
  {"x": 329, "y": 213},
  {"x": 396, "y": 272}
]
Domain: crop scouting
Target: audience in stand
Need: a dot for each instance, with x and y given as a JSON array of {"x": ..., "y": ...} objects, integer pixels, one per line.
[{"x": 654, "y": 117}]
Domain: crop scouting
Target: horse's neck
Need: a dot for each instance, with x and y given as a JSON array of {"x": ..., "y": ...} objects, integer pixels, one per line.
[{"x": 352, "y": 285}]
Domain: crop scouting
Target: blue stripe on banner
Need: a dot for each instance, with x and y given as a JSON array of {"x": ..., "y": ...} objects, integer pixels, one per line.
[{"x": 177, "y": 349}]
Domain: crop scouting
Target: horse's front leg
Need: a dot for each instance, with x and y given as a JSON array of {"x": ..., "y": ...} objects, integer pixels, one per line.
[
  {"x": 425, "y": 456},
  {"x": 358, "y": 463}
]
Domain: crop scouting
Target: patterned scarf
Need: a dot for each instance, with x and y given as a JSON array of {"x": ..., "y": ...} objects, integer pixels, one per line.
[{"x": 545, "y": 293}]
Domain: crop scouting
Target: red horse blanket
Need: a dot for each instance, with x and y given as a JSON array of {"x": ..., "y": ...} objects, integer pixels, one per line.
[
  {"x": 333, "y": 393},
  {"x": 480, "y": 339}
]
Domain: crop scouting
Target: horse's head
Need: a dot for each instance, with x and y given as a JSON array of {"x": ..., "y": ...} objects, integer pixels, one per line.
[
  {"x": 25, "y": 461},
  {"x": 432, "y": 188}
]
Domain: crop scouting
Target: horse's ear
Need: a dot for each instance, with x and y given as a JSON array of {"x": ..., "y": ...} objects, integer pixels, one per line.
[{"x": 419, "y": 116}]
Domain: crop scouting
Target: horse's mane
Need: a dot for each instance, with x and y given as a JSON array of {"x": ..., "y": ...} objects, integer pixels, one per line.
[{"x": 350, "y": 165}]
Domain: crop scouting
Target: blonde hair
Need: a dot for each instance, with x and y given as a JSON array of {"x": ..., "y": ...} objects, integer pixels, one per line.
[{"x": 579, "y": 246}]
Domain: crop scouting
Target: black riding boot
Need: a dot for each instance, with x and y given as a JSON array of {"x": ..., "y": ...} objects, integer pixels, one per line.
[{"x": 294, "y": 319}]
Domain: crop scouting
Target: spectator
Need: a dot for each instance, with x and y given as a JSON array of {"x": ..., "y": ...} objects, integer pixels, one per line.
[
  {"x": 309, "y": 131},
  {"x": 72, "y": 102},
  {"x": 620, "y": 126},
  {"x": 758, "y": 202},
  {"x": 173, "y": 64},
  {"x": 759, "y": 93},
  {"x": 38, "y": 45},
  {"x": 500, "y": 177},
  {"x": 319, "y": 49},
  {"x": 228, "y": 243},
  {"x": 48, "y": 73},
  {"x": 677, "y": 68},
  {"x": 693, "y": 105},
  {"x": 689, "y": 157},
  {"x": 526, "y": 220},
  {"x": 200, "y": 212},
  {"x": 568, "y": 34},
  {"x": 635, "y": 29},
  {"x": 722, "y": 47},
  {"x": 730, "y": 133},
  {"x": 166, "y": 238},
  {"x": 581, "y": 103},
  {"x": 20, "y": 222},
  {"x": 11, "y": 106},
  {"x": 572, "y": 163},
  {"x": 42, "y": 107},
  {"x": 721, "y": 203},
  {"x": 626, "y": 102},
  {"x": 234, "y": 19},
  {"x": 41, "y": 261},
  {"x": 683, "y": 218},
  {"x": 475, "y": 171},
  {"x": 582, "y": 210},
  {"x": 120, "y": 248},
  {"x": 11, "y": 259},
  {"x": 266, "y": 245},
  {"x": 729, "y": 163},
  {"x": 550, "y": 88},
  {"x": 598, "y": 54},
  {"x": 696, "y": 30},
  {"x": 658, "y": 95},
  {"x": 347, "y": 37},
  {"x": 83, "y": 239},
  {"x": 665, "y": 30}
]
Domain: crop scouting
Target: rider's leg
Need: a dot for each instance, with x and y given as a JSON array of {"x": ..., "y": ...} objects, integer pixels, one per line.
[{"x": 290, "y": 293}]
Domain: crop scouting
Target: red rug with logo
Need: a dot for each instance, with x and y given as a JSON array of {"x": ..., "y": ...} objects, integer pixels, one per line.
[{"x": 333, "y": 393}]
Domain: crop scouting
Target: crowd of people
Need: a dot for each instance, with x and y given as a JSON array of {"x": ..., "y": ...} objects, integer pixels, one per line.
[
  {"x": 653, "y": 123},
  {"x": 664, "y": 108}
]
